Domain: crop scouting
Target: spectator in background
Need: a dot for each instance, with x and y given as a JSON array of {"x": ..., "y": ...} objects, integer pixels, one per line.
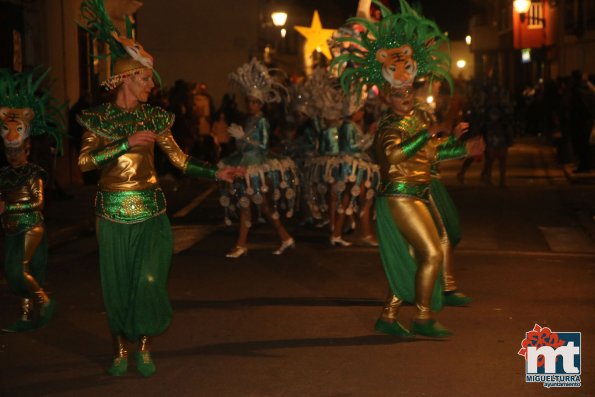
[
  {"x": 203, "y": 145},
  {"x": 497, "y": 133},
  {"x": 76, "y": 131},
  {"x": 221, "y": 136},
  {"x": 473, "y": 113},
  {"x": 581, "y": 118},
  {"x": 180, "y": 104},
  {"x": 564, "y": 114}
]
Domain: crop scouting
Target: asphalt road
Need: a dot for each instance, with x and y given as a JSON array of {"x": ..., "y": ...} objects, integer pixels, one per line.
[{"x": 302, "y": 324}]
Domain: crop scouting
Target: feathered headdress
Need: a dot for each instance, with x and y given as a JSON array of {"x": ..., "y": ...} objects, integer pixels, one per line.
[
  {"x": 302, "y": 101},
  {"x": 128, "y": 57},
  {"x": 326, "y": 94},
  {"x": 255, "y": 80},
  {"x": 353, "y": 103},
  {"x": 20, "y": 91},
  {"x": 393, "y": 51}
]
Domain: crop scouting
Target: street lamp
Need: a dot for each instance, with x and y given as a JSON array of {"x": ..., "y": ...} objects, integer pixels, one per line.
[
  {"x": 522, "y": 7},
  {"x": 279, "y": 18}
]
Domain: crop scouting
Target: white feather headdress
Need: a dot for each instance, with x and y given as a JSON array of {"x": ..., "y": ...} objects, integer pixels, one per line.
[
  {"x": 302, "y": 101},
  {"x": 326, "y": 94},
  {"x": 254, "y": 79},
  {"x": 353, "y": 103}
]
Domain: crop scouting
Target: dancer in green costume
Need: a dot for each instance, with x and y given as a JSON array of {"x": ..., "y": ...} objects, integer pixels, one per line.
[
  {"x": 392, "y": 54},
  {"x": 25, "y": 110},
  {"x": 133, "y": 231}
]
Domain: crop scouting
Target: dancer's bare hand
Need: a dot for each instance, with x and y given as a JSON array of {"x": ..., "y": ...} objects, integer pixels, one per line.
[
  {"x": 475, "y": 147},
  {"x": 460, "y": 129},
  {"x": 236, "y": 131},
  {"x": 227, "y": 174},
  {"x": 142, "y": 138}
]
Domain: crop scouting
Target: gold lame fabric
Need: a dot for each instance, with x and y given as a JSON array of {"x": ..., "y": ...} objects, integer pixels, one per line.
[
  {"x": 405, "y": 221},
  {"x": 22, "y": 190},
  {"x": 123, "y": 68},
  {"x": 127, "y": 65},
  {"x": 133, "y": 170},
  {"x": 394, "y": 132}
]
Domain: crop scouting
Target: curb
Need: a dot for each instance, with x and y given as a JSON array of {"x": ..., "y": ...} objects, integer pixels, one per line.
[{"x": 586, "y": 178}]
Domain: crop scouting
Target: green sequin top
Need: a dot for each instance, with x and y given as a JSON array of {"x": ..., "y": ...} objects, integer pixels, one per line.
[
  {"x": 113, "y": 123},
  {"x": 21, "y": 189}
]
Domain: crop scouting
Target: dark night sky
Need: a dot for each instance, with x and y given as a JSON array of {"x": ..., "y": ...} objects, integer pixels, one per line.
[{"x": 451, "y": 16}]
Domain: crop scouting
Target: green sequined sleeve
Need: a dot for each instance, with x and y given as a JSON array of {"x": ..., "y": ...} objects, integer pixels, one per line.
[
  {"x": 416, "y": 142},
  {"x": 451, "y": 149},
  {"x": 199, "y": 169},
  {"x": 95, "y": 152},
  {"x": 34, "y": 204},
  {"x": 398, "y": 150},
  {"x": 107, "y": 153}
]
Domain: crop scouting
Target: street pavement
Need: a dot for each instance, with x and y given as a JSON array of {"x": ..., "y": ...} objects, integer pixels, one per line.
[{"x": 302, "y": 324}]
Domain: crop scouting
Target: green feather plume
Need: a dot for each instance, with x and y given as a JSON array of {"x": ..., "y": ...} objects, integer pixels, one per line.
[
  {"x": 24, "y": 90},
  {"x": 361, "y": 68}
]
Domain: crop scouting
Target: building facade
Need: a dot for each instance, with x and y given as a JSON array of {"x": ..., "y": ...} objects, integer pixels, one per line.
[{"x": 556, "y": 37}]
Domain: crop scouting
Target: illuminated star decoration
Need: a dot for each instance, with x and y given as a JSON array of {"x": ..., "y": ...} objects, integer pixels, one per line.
[{"x": 316, "y": 37}]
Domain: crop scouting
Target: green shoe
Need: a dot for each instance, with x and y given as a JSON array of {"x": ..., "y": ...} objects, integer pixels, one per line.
[
  {"x": 455, "y": 298},
  {"x": 46, "y": 313},
  {"x": 119, "y": 366},
  {"x": 144, "y": 364},
  {"x": 392, "y": 328},
  {"x": 20, "y": 326},
  {"x": 430, "y": 328}
]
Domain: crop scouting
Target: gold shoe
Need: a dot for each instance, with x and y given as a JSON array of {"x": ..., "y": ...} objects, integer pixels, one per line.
[
  {"x": 340, "y": 242},
  {"x": 237, "y": 252},
  {"x": 285, "y": 245}
]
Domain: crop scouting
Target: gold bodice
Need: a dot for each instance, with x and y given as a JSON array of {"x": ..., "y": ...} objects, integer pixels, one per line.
[
  {"x": 394, "y": 133},
  {"x": 133, "y": 170}
]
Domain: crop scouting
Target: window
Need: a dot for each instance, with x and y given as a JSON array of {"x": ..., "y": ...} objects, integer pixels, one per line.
[{"x": 536, "y": 16}]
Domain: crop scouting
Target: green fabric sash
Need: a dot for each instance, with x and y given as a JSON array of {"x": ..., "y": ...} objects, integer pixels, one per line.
[{"x": 448, "y": 211}]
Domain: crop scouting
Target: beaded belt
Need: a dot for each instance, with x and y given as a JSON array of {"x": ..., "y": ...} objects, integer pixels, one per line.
[
  {"x": 19, "y": 222},
  {"x": 130, "y": 206},
  {"x": 421, "y": 191}
]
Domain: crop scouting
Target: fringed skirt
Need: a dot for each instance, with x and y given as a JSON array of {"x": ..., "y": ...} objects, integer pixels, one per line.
[
  {"x": 268, "y": 177},
  {"x": 342, "y": 175}
]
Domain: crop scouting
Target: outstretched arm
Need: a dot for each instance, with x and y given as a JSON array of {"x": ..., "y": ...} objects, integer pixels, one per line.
[{"x": 187, "y": 164}]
